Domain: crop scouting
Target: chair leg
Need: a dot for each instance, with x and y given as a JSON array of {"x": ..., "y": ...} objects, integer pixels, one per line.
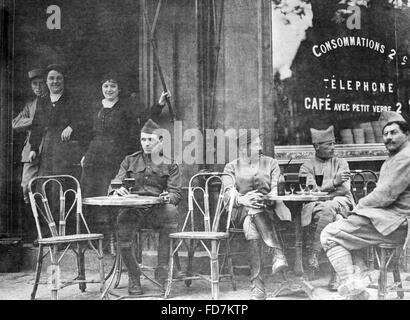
[
  {"x": 215, "y": 269},
  {"x": 170, "y": 268},
  {"x": 381, "y": 293},
  {"x": 54, "y": 272},
  {"x": 396, "y": 274},
  {"x": 81, "y": 267},
  {"x": 39, "y": 264},
  {"x": 230, "y": 264},
  {"x": 191, "y": 251},
  {"x": 101, "y": 262}
]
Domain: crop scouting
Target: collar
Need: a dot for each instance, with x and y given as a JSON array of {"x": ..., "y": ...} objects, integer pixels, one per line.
[
  {"x": 322, "y": 160},
  {"x": 55, "y": 97},
  {"x": 109, "y": 104}
]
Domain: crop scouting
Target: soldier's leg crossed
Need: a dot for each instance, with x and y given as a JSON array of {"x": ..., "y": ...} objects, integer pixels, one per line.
[{"x": 343, "y": 236}]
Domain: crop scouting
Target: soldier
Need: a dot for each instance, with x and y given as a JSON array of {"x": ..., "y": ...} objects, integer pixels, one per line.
[
  {"x": 336, "y": 182},
  {"x": 381, "y": 217},
  {"x": 23, "y": 123},
  {"x": 151, "y": 179},
  {"x": 257, "y": 176}
]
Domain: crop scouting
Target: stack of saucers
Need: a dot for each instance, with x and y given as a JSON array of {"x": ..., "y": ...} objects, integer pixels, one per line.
[
  {"x": 377, "y": 130},
  {"x": 368, "y": 132},
  {"x": 347, "y": 136},
  {"x": 358, "y": 135}
]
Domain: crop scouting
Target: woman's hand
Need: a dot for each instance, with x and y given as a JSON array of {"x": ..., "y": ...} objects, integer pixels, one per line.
[
  {"x": 252, "y": 199},
  {"x": 65, "y": 135},
  {"x": 121, "y": 192},
  {"x": 32, "y": 156},
  {"x": 164, "y": 97}
]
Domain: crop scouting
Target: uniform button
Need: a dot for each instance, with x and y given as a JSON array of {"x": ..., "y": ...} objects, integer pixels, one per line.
[{"x": 146, "y": 178}]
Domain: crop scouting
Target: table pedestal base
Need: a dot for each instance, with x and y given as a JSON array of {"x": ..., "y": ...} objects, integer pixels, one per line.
[{"x": 295, "y": 285}]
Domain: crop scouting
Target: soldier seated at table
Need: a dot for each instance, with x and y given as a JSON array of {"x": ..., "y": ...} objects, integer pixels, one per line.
[
  {"x": 336, "y": 181},
  {"x": 382, "y": 216},
  {"x": 153, "y": 177},
  {"x": 257, "y": 175}
]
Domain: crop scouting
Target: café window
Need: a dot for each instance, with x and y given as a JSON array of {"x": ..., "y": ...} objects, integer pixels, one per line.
[{"x": 339, "y": 63}]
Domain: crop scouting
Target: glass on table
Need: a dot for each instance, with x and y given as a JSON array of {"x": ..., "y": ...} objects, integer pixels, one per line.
[
  {"x": 116, "y": 184},
  {"x": 302, "y": 183},
  {"x": 292, "y": 188},
  {"x": 129, "y": 183}
]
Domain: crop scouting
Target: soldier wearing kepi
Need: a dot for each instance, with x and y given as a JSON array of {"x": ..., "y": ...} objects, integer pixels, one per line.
[
  {"x": 336, "y": 182},
  {"x": 153, "y": 177},
  {"x": 257, "y": 175},
  {"x": 382, "y": 216}
]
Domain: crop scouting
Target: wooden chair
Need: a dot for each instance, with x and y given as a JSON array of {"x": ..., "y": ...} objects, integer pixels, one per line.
[
  {"x": 389, "y": 255},
  {"x": 209, "y": 232},
  {"x": 362, "y": 183},
  {"x": 63, "y": 194}
]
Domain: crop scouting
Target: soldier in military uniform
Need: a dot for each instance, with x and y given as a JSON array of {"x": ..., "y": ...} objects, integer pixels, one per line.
[
  {"x": 382, "y": 216},
  {"x": 336, "y": 181},
  {"x": 257, "y": 175},
  {"x": 153, "y": 177}
]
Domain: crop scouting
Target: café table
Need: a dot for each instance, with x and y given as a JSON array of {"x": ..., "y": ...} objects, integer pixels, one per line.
[
  {"x": 128, "y": 201},
  {"x": 296, "y": 202}
]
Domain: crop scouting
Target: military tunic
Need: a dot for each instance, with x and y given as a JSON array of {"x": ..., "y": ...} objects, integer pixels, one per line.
[
  {"x": 151, "y": 179},
  {"x": 261, "y": 175},
  {"x": 381, "y": 215},
  {"x": 343, "y": 200}
]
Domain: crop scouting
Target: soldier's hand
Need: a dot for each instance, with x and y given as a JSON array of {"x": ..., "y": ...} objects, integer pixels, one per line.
[
  {"x": 165, "y": 197},
  {"x": 66, "y": 134},
  {"x": 163, "y": 97},
  {"x": 32, "y": 155},
  {"x": 121, "y": 192},
  {"x": 252, "y": 199},
  {"x": 341, "y": 177}
]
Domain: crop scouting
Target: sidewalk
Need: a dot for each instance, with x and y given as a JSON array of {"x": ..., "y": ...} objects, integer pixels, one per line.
[{"x": 18, "y": 286}]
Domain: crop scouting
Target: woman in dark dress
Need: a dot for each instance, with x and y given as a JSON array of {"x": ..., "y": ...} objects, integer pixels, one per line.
[
  {"x": 116, "y": 122},
  {"x": 61, "y": 122}
]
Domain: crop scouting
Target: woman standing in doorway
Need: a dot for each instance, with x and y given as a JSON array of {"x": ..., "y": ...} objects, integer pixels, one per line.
[{"x": 116, "y": 122}]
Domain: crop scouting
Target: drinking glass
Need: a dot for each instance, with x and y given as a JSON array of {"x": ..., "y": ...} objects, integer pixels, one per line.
[
  {"x": 292, "y": 188},
  {"x": 311, "y": 186},
  {"x": 302, "y": 182},
  {"x": 129, "y": 183},
  {"x": 319, "y": 179}
]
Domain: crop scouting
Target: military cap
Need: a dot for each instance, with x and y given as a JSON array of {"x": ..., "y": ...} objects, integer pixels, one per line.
[
  {"x": 150, "y": 126},
  {"x": 36, "y": 73},
  {"x": 319, "y": 136},
  {"x": 387, "y": 117}
]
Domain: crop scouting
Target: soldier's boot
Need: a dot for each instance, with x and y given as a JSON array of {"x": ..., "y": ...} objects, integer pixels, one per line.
[
  {"x": 134, "y": 272},
  {"x": 269, "y": 235},
  {"x": 257, "y": 285},
  {"x": 342, "y": 262},
  {"x": 279, "y": 262},
  {"x": 319, "y": 223},
  {"x": 333, "y": 282}
]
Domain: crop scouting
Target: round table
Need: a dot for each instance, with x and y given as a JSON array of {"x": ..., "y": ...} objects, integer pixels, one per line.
[
  {"x": 296, "y": 201},
  {"x": 127, "y": 201}
]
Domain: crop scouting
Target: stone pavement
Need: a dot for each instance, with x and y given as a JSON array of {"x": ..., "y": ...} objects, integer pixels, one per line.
[{"x": 18, "y": 286}]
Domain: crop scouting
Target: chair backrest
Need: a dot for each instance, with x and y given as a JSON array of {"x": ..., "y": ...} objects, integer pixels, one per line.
[
  {"x": 54, "y": 200},
  {"x": 200, "y": 197},
  {"x": 362, "y": 183}
]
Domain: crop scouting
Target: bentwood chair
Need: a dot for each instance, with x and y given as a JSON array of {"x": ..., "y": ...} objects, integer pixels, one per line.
[
  {"x": 57, "y": 210},
  {"x": 209, "y": 231}
]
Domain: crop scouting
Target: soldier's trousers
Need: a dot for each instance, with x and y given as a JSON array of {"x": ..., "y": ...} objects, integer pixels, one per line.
[
  {"x": 163, "y": 219},
  {"x": 357, "y": 232}
]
